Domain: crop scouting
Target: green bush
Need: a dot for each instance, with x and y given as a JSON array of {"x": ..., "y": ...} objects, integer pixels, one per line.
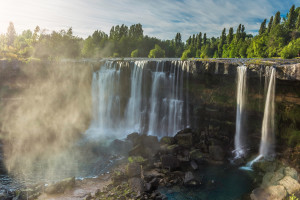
[
  {"x": 157, "y": 52},
  {"x": 291, "y": 50},
  {"x": 135, "y": 53}
]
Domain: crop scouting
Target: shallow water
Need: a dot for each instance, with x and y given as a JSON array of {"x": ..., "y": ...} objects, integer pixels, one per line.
[{"x": 220, "y": 182}]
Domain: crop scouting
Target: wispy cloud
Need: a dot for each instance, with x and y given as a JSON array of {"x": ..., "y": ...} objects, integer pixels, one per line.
[{"x": 162, "y": 19}]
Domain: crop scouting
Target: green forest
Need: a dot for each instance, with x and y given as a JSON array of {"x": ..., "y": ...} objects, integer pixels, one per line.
[{"x": 277, "y": 37}]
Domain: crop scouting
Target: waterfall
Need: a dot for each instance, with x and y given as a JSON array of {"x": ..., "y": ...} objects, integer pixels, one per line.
[
  {"x": 139, "y": 97},
  {"x": 267, "y": 133},
  {"x": 240, "y": 109}
]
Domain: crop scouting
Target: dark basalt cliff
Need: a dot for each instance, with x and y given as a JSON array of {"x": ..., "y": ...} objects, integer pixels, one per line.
[{"x": 211, "y": 86}]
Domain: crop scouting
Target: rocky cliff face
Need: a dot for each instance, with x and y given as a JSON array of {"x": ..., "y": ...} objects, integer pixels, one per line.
[{"x": 211, "y": 89}]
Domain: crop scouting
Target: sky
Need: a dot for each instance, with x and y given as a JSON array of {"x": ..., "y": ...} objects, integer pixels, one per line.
[{"x": 160, "y": 18}]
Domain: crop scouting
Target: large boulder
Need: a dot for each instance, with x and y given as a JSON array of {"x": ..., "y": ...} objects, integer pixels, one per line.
[
  {"x": 167, "y": 140},
  {"x": 146, "y": 146},
  {"x": 61, "y": 186},
  {"x": 133, "y": 170},
  {"x": 272, "y": 178},
  {"x": 170, "y": 162},
  {"x": 275, "y": 192},
  {"x": 184, "y": 139},
  {"x": 136, "y": 184},
  {"x": 290, "y": 184},
  {"x": 216, "y": 152}
]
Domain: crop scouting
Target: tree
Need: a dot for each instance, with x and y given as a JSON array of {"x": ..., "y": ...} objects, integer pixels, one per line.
[
  {"x": 262, "y": 28},
  {"x": 270, "y": 25},
  {"x": 135, "y": 53},
  {"x": 157, "y": 52},
  {"x": 277, "y": 19},
  {"x": 292, "y": 17},
  {"x": 298, "y": 22},
  {"x": 222, "y": 42},
  {"x": 204, "y": 39},
  {"x": 229, "y": 36},
  {"x": 11, "y": 34},
  {"x": 199, "y": 41}
]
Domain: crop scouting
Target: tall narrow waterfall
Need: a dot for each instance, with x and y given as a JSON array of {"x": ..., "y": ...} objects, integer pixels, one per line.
[
  {"x": 139, "y": 96},
  {"x": 240, "y": 111},
  {"x": 267, "y": 133}
]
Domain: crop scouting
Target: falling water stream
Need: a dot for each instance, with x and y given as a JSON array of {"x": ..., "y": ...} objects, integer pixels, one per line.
[
  {"x": 267, "y": 132},
  {"x": 240, "y": 111}
]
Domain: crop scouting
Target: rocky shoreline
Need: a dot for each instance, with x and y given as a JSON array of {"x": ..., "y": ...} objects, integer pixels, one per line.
[{"x": 172, "y": 161}]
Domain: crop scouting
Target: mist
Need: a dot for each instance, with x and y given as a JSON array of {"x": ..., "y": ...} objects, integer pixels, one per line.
[{"x": 52, "y": 111}]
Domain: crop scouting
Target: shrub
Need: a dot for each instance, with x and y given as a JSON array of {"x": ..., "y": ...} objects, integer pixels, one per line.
[{"x": 134, "y": 53}]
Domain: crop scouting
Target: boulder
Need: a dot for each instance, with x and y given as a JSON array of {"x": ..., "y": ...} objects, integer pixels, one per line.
[
  {"x": 275, "y": 192},
  {"x": 271, "y": 178},
  {"x": 288, "y": 171},
  {"x": 133, "y": 137},
  {"x": 136, "y": 184},
  {"x": 170, "y": 162},
  {"x": 146, "y": 146},
  {"x": 167, "y": 140},
  {"x": 196, "y": 155},
  {"x": 152, "y": 185},
  {"x": 133, "y": 170},
  {"x": 290, "y": 184},
  {"x": 216, "y": 152},
  {"x": 194, "y": 165},
  {"x": 184, "y": 139},
  {"x": 189, "y": 179},
  {"x": 120, "y": 146},
  {"x": 61, "y": 186}
]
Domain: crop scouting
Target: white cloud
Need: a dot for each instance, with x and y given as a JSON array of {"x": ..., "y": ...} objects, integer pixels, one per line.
[{"x": 162, "y": 19}]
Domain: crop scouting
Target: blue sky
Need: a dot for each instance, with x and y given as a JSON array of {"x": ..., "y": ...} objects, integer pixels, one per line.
[{"x": 162, "y": 19}]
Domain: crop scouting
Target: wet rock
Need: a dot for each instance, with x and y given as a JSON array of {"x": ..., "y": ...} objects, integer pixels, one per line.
[
  {"x": 61, "y": 186},
  {"x": 291, "y": 185},
  {"x": 189, "y": 179},
  {"x": 152, "y": 185},
  {"x": 183, "y": 155},
  {"x": 133, "y": 137},
  {"x": 133, "y": 170},
  {"x": 184, "y": 139},
  {"x": 121, "y": 146},
  {"x": 167, "y": 140},
  {"x": 136, "y": 184},
  {"x": 271, "y": 193},
  {"x": 196, "y": 155},
  {"x": 170, "y": 162},
  {"x": 216, "y": 152},
  {"x": 146, "y": 146},
  {"x": 194, "y": 165}
]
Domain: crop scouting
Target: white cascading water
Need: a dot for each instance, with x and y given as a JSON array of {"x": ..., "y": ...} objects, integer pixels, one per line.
[
  {"x": 267, "y": 133},
  {"x": 268, "y": 127},
  {"x": 239, "y": 145},
  {"x": 139, "y": 98}
]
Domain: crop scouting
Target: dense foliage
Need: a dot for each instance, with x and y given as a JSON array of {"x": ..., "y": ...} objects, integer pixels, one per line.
[{"x": 277, "y": 37}]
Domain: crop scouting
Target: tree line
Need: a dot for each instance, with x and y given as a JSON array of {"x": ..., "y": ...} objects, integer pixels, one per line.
[{"x": 277, "y": 37}]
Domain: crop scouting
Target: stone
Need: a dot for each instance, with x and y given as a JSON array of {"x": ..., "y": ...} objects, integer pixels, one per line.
[
  {"x": 152, "y": 185},
  {"x": 216, "y": 152},
  {"x": 133, "y": 137},
  {"x": 272, "y": 178},
  {"x": 170, "y": 162},
  {"x": 136, "y": 184},
  {"x": 133, "y": 170},
  {"x": 189, "y": 179},
  {"x": 290, "y": 184},
  {"x": 167, "y": 140},
  {"x": 288, "y": 171},
  {"x": 121, "y": 146},
  {"x": 196, "y": 154},
  {"x": 276, "y": 192},
  {"x": 184, "y": 139},
  {"x": 61, "y": 186},
  {"x": 194, "y": 165}
]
